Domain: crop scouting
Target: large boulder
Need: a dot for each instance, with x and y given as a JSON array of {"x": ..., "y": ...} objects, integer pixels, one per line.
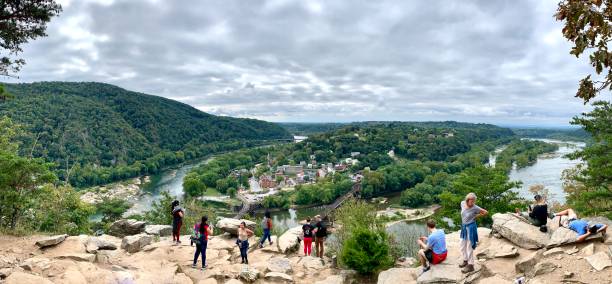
[
  {"x": 311, "y": 263},
  {"x": 126, "y": 227},
  {"x": 18, "y": 277},
  {"x": 599, "y": 261},
  {"x": 278, "y": 277},
  {"x": 93, "y": 244},
  {"x": 249, "y": 275},
  {"x": 134, "y": 243},
  {"x": 442, "y": 273},
  {"x": 88, "y": 257},
  {"x": 500, "y": 251},
  {"x": 279, "y": 264},
  {"x": 231, "y": 225},
  {"x": 51, "y": 241},
  {"x": 159, "y": 230},
  {"x": 398, "y": 275},
  {"x": 564, "y": 236},
  {"x": 519, "y": 231},
  {"x": 289, "y": 241}
]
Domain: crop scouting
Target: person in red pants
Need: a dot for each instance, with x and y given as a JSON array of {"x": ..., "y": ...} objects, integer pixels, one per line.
[
  {"x": 177, "y": 221},
  {"x": 307, "y": 231}
]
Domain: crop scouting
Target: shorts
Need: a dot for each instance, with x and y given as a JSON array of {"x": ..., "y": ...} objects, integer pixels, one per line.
[{"x": 435, "y": 258}]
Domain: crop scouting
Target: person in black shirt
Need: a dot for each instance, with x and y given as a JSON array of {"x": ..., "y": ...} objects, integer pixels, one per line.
[
  {"x": 308, "y": 232},
  {"x": 320, "y": 234},
  {"x": 537, "y": 214}
]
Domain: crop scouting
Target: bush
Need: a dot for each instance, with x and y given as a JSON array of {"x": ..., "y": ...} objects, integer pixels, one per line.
[{"x": 367, "y": 251}]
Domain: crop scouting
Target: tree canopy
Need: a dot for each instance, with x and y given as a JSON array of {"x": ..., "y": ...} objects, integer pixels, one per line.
[{"x": 20, "y": 22}]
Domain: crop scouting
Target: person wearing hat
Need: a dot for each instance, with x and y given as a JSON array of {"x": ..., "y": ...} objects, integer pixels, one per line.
[
  {"x": 583, "y": 228},
  {"x": 537, "y": 214}
]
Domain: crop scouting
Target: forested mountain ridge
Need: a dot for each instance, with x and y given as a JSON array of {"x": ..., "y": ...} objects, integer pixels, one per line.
[{"x": 90, "y": 124}]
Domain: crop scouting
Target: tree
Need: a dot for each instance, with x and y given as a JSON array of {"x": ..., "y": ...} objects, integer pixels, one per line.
[
  {"x": 367, "y": 251},
  {"x": 493, "y": 191},
  {"x": 21, "y": 21},
  {"x": 112, "y": 209},
  {"x": 588, "y": 25}
]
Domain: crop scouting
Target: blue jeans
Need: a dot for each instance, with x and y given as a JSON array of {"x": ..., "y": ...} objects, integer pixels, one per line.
[
  {"x": 244, "y": 248},
  {"x": 266, "y": 235},
  {"x": 201, "y": 248}
]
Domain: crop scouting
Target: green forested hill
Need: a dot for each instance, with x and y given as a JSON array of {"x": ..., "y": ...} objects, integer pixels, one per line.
[{"x": 98, "y": 132}]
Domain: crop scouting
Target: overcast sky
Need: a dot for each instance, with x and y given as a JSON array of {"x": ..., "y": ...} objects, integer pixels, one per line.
[{"x": 502, "y": 62}]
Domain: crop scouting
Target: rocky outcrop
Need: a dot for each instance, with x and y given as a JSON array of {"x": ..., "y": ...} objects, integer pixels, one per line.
[
  {"x": 519, "y": 232},
  {"x": 289, "y": 241},
  {"x": 311, "y": 263},
  {"x": 50, "y": 241},
  {"x": 93, "y": 244},
  {"x": 441, "y": 273},
  {"x": 134, "y": 243},
  {"x": 398, "y": 275},
  {"x": 279, "y": 264},
  {"x": 126, "y": 227},
  {"x": 503, "y": 251},
  {"x": 278, "y": 277},
  {"x": 231, "y": 225},
  {"x": 25, "y": 278},
  {"x": 564, "y": 236},
  {"x": 158, "y": 230},
  {"x": 599, "y": 261}
]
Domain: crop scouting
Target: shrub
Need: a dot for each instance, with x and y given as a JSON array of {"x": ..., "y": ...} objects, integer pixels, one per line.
[{"x": 367, "y": 251}]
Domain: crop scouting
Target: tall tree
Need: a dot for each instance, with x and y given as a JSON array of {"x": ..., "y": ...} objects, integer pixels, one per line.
[
  {"x": 21, "y": 21},
  {"x": 588, "y": 25}
]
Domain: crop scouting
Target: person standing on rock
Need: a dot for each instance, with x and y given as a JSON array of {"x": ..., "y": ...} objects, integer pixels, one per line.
[
  {"x": 177, "y": 221},
  {"x": 266, "y": 225},
  {"x": 469, "y": 230},
  {"x": 433, "y": 248},
  {"x": 307, "y": 231},
  {"x": 243, "y": 241},
  {"x": 204, "y": 231},
  {"x": 320, "y": 234}
]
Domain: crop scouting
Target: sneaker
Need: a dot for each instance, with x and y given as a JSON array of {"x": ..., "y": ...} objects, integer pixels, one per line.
[
  {"x": 271, "y": 242},
  {"x": 464, "y": 264},
  {"x": 204, "y": 267},
  {"x": 468, "y": 268},
  {"x": 194, "y": 266},
  {"x": 426, "y": 268},
  {"x": 260, "y": 245},
  {"x": 246, "y": 261}
]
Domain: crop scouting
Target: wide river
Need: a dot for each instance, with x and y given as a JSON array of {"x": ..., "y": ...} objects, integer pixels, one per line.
[{"x": 547, "y": 170}]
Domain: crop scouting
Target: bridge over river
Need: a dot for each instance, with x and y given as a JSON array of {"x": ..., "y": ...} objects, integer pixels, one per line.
[{"x": 249, "y": 207}]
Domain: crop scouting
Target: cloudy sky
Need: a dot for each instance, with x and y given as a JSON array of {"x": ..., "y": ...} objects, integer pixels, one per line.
[{"x": 502, "y": 62}]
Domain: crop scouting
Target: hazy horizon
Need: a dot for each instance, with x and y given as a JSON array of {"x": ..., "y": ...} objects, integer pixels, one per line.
[{"x": 498, "y": 62}]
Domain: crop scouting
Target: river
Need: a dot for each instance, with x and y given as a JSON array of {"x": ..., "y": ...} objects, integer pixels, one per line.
[{"x": 548, "y": 170}]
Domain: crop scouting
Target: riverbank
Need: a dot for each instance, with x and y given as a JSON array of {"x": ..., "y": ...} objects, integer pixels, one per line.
[{"x": 397, "y": 215}]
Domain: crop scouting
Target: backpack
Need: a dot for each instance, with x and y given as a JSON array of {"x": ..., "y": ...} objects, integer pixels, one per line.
[{"x": 264, "y": 223}]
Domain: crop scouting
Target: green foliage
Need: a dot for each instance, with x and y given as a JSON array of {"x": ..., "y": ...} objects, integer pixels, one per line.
[
  {"x": 21, "y": 21},
  {"x": 98, "y": 133},
  {"x": 492, "y": 188},
  {"x": 364, "y": 243},
  {"x": 558, "y": 134},
  {"x": 367, "y": 251},
  {"x": 589, "y": 187},
  {"x": 58, "y": 210},
  {"x": 112, "y": 209}
]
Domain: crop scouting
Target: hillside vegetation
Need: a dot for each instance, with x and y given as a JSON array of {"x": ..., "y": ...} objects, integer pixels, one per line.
[{"x": 97, "y": 133}]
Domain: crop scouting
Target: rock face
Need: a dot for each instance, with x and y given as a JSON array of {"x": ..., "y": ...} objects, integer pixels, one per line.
[
  {"x": 279, "y": 264},
  {"x": 278, "y": 277},
  {"x": 289, "y": 241},
  {"x": 519, "y": 232},
  {"x": 50, "y": 241},
  {"x": 24, "y": 278},
  {"x": 231, "y": 225},
  {"x": 441, "y": 273},
  {"x": 159, "y": 230},
  {"x": 563, "y": 236},
  {"x": 599, "y": 261},
  {"x": 135, "y": 243},
  {"x": 126, "y": 227},
  {"x": 500, "y": 251},
  {"x": 527, "y": 263},
  {"x": 398, "y": 275}
]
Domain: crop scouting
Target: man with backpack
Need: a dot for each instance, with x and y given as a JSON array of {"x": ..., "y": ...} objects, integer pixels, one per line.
[{"x": 320, "y": 235}]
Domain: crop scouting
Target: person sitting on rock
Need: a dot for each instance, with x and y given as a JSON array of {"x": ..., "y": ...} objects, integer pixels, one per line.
[
  {"x": 433, "y": 248},
  {"x": 537, "y": 214},
  {"x": 569, "y": 219}
]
